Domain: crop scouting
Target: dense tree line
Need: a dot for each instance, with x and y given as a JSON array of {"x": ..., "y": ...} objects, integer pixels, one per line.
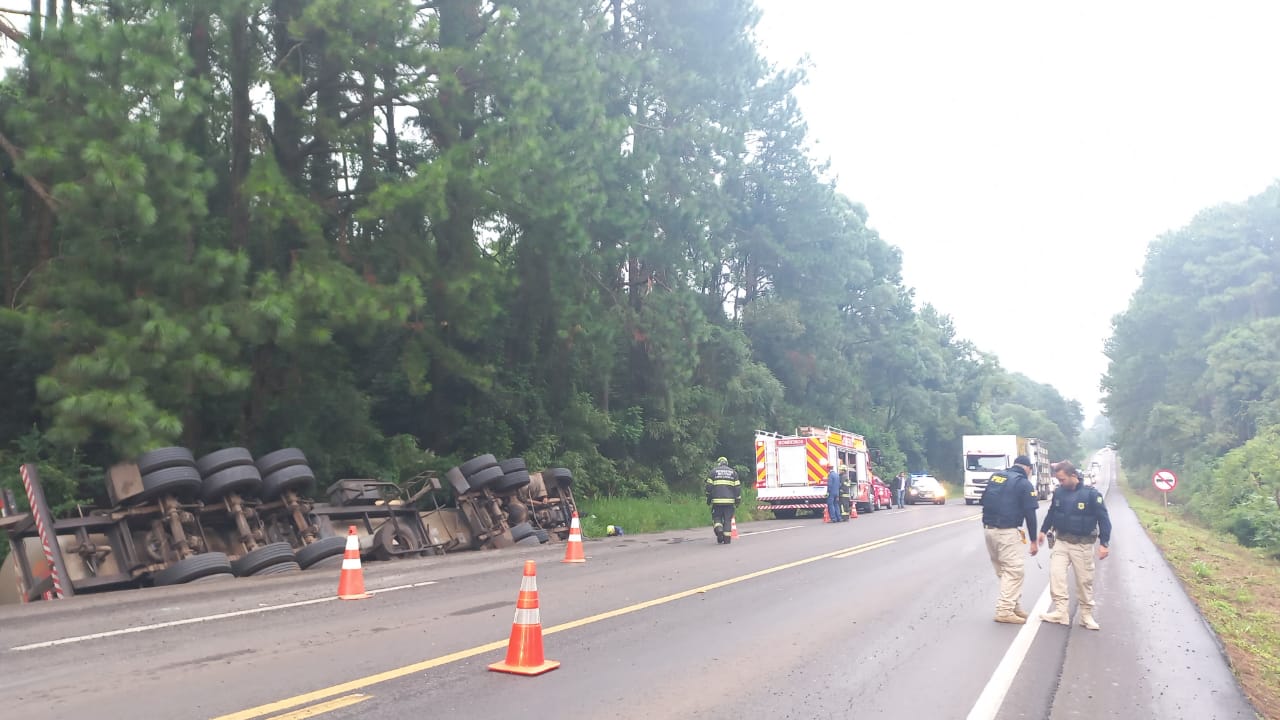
[
  {"x": 395, "y": 234},
  {"x": 1194, "y": 379}
]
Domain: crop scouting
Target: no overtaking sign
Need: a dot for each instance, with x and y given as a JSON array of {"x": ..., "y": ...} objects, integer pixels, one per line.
[{"x": 1164, "y": 480}]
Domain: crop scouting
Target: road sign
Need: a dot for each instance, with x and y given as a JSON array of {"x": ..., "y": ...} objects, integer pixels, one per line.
[{"x": 1164, "y": 480}]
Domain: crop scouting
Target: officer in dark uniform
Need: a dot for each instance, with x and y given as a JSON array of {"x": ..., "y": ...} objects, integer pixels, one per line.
[
  {"x": 1076, "y": 519},
  {"x": 724, "y": 492},
  {"x": 1010, "y": 500}
]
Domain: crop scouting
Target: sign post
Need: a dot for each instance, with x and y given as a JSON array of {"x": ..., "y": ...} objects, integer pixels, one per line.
[{"x": 1165, "y": 480}]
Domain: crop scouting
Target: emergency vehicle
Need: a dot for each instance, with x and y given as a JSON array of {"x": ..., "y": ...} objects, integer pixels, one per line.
[{"x": 791, "y": 470}]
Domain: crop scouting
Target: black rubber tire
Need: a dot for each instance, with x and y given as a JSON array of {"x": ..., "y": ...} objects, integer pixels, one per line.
[
  {"x": 279, "y": 569},
  {"x": 485, "y": 477},
  {"x": 165, "y": 458},
  {"x": 521, "y": 531},
  {"x": 476, "y": 464},
  {"x": 512, "y": 482},
  {"x": 562, "y": 476},
  {"x": 512, "y": 465},
  {"x": 194, "y": 568},
  {"x": 220, "y": 460},
  {"x": 542, "y": 535},
  {"x": 182, "y": 481},
  {"x": 243, "y": 479},
  {"x": 530, "y": 541},
  {"x": 388, "y": 540},
  {"x": 262, "y": 557},
  {"x": 278, "y": 460},
  {"x": 292, "y": 477},
  {"x": 321, "y": 549}
]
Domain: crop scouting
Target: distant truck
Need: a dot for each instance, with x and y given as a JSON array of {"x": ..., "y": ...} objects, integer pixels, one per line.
[
  {"x": 985, "y": 455},
  {"x": 791, "y": 471}
]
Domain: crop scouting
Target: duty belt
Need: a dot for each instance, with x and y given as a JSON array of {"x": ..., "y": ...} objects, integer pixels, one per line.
[
  {"x": 999, "y": 527},
  {"x": 1077, "y": 539}
]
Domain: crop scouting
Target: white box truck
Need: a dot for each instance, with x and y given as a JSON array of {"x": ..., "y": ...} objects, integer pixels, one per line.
[{"x": 985, "y": 455}]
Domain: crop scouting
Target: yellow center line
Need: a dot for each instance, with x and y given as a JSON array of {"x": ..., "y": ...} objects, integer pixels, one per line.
[
  {"x": 397, "y": 673},
  {"x": 860, "y": 550},
  {"x": 322, "y": 708}
]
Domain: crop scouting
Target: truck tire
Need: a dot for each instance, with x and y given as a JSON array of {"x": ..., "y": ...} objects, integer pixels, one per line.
[
  {"x": 278, "y": 460},
  {"x": 542, "y": 535},
  {"x": 476, "y": 464},
  {"x": 279, "y": 569},
  {"x": 321, "y": 549},
  {"x": 220, "y": 460},
  {"x": 522, "y": 531},
  {"x": 562, "y": 476},
  {"x": 457, "y": 480},
  {"x": 512, "y": 481},
  {"x": 529, "y": 541},
  {"x": 165, "y": 458},
  {"x": 484, "y": 478},
  {"x": 512, "y": 465},
  {"x": 262, "y": 557},
  {"x": 290, "y": 477},
  {"x": 182, "y": 481},
  {"x": 243, "y": 479},
  {"x": 194, "y": 568},
  {"x": 390, "y": 542}
]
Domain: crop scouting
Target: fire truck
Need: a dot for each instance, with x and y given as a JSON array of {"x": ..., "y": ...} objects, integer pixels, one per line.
[{"x": 791, "y": 470}]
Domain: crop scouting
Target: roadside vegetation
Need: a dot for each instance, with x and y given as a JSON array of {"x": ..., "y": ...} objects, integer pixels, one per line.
[
  {"x": 397, "y": 235},
  {"x": 1236, "y": 588},
  {"x": 1194, "y": 379}
]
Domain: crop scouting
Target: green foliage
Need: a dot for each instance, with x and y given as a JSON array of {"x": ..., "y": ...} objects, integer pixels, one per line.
[
  {"x": 1194, "y": 379},
  {"x": 587, "y": 233}
]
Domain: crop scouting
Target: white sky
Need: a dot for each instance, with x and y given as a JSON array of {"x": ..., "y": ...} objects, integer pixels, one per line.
[{"x": 1002, "y": 143}]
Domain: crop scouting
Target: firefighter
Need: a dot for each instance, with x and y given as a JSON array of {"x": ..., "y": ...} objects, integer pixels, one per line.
[
  {"x": 724, "y": 492},
  {"x": 1009, "y": 500},
  {"x": 1078, "y": 517}
]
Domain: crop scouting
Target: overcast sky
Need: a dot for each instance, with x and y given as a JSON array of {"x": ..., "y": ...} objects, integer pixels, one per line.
[{"x": 1023, "y": 154}]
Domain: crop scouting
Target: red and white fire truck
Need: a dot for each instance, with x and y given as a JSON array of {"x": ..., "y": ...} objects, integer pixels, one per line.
[{"x": 791, "y": 470}]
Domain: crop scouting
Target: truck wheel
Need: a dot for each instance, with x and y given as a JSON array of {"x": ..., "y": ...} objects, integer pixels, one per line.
[
  {"x": 165, "y": 458},
  {"x": 261, "y": 558},
  {"x": 512, "y": 465},
  {"x": 478, "y": 463},
  {"x": 484, "y": 478},
  {"x": 182, "y": 481},
  {"x": 457, "y": 480},
  {"x": 522, "y": 531},
  {"x": 278, "y": 460},
  {"x": 244, "y": 479},
  {"x": 512, "y": 481},
  {"x": 563, "y": 476},
  {"x": 321, "y": 549},
  {"x": 220, "y": 460},
  {"x": 390, "y": 542},
  {"x": 194, "y": 568},
  {"x": 292, "y": 477},
  {"x": 279, "y": 569}
]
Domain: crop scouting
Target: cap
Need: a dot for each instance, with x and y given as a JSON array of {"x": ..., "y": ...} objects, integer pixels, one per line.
[
  {"x": 1022, "y": 460},
  {"x": 1065, "y": 466}
]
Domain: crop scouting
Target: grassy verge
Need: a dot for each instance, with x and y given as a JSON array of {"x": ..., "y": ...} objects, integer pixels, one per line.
[
  {"x": 646, "y": 515},
  {"x": 1237, "y": 589}
]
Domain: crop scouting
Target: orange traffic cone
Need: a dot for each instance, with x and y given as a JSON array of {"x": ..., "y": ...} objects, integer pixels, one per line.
[
  {"x": 351, "y": 581},
  {"x": 734, "y": 525},
  {"x": 524, "y": 649},
  {"x": 826, "y": 514},
  {"x": 573, "y": 549},
  {"x": 853, "y": 510}
]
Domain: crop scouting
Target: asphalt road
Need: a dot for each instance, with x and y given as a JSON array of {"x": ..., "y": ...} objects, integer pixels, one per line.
[{"x": 887, "y": 616}]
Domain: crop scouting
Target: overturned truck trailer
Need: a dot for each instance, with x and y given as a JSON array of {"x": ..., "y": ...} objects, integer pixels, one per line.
[{"x": 174, "y": 519}]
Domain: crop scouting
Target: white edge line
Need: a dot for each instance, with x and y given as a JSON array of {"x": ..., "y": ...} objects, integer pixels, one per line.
[
  {"x": 205, "y": 618},
  {"x": 764, "y": 532},
  {"x": 993, "y": 694}
]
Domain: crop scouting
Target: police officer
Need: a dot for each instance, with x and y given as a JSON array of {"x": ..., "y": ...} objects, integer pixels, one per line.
[
  {"x": 1077, "y": 518},
  {"x": 1009, "y": 500},
  {"x": 724, "y": 492}
]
